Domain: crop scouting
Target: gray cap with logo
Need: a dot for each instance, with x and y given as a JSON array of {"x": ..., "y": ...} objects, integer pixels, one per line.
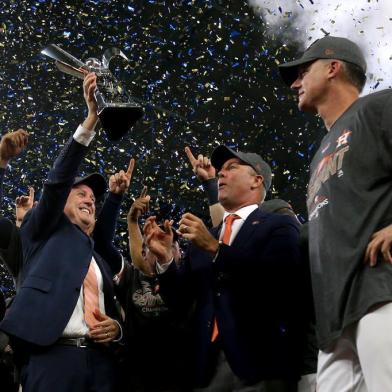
[
  {"x": 222, "y": 153},
  {"x": 329, "y": 47}
]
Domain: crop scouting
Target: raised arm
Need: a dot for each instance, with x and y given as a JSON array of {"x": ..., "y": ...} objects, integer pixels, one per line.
[
  {"x": 23, "y": 204},
  {"x": 176, "y": 285},
  {"x": 11, "y": 145},
  {"x": 138, "y": 207},
  {"x": 206, "y": 174},
  {"x": 45, "y": 216},
  {"x": 105, "y": 227}
]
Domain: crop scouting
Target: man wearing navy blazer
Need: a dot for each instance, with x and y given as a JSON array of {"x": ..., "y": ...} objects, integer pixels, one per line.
[
  {"x": 62, "y": 349},
  {"x": 244, "y": 283}
]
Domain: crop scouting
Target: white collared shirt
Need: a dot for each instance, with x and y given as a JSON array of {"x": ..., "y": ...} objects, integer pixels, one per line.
[
  {"x": 77, "y": 326},
  {"x": 243, "y": 213}
]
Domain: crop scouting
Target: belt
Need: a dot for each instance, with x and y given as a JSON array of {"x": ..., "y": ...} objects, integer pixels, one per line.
[{"x": 76, "y": 342}]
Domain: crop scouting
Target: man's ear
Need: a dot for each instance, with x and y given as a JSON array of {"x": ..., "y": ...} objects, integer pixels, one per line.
[
  {"x": 335, "y": 67},
  {"x": 257, "y": 181}
]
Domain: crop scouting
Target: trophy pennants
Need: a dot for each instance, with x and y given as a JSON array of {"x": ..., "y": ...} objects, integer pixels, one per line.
[{"x": 117, "y": 110}]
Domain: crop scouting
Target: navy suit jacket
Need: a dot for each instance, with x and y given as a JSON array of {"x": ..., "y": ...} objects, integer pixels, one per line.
[
  {"x": 57, "y": 255},
  {"x": 253, "y": 290}
]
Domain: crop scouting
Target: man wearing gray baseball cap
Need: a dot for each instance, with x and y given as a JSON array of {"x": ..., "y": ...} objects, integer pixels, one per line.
[
  {"x": 242, "y": 280},
  {"x": 350, "y": 232}
]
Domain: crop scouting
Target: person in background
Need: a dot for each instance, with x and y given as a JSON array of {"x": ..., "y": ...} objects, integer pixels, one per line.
[
  {"x": 12, "y": 144},
  {"x": 158, "y": 364}
]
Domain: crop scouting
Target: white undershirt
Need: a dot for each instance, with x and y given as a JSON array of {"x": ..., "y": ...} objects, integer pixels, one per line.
[
  {"x": 243, "y": 213},
  {"x": 77, "y": 326}
]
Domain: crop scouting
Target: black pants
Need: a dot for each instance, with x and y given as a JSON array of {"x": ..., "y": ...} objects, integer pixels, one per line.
[{"x": 67, "y": 368}]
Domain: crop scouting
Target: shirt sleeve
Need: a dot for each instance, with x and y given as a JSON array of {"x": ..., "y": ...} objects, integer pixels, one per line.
[
  {"x": 117, "y": 277},
  {"x": 83, "y": 136},
  {"x": 121, "y": 332}
]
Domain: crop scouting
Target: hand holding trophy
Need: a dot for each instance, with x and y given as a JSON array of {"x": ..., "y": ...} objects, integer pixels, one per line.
[{"x": 117, "y": 110}]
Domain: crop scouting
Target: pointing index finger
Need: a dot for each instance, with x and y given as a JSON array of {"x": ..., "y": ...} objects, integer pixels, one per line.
[
  {"x": 144, "y": 191},
  {"x": 130, "y": 167},
  {"x": 190, "y": 156},
  {"x": 31, "y": 193}
]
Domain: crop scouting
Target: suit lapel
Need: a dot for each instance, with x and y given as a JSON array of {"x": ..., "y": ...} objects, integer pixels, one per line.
[
  {"x": 252, "y": 222},
  {"x": 104, "y": 272}
]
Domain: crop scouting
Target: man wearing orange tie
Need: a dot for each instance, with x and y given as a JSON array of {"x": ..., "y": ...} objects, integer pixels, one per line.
[
  {"x": 64, "y": 317},
  {"x": 242, "y": 278}
]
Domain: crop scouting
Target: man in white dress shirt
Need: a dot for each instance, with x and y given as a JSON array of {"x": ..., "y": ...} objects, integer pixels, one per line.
[{"x": 64, "y": 316}]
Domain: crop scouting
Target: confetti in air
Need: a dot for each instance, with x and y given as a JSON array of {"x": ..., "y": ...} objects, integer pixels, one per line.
[
  {"x": 205, "y": 71},
  {"x": 366, "y": 22}
]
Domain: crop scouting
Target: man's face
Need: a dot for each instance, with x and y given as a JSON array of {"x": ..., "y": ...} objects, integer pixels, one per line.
[
  {"x": 80, "y": 207},
  {"x": 236, "y": 184},
  {"x": 311, "y": 85}
]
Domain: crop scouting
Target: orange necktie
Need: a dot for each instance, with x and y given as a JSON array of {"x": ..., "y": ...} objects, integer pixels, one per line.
[
  {"x": 90, "y": 290},
  {"x": 226, "y": 240}
]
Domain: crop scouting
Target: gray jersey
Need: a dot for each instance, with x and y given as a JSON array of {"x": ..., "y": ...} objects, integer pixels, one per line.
[{"x": 350, "y": 198}]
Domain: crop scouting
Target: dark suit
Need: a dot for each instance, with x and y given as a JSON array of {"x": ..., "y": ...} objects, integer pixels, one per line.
[
  {"x": 57, "y": 255},
  {"x": 251, "y": 289}
]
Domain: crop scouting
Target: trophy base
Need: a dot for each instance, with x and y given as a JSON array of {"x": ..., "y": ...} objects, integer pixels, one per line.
[{"x": 117, "y": 119}]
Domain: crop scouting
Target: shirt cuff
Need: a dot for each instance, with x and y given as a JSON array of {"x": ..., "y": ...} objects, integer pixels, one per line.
[
  {"x": 217, "y": 252},
  {"x": 83, "y": 136},
  {"x": 162, "y": 268},
  {"x": 118, "y": 276},
  {"x": 121, "y": 333}
]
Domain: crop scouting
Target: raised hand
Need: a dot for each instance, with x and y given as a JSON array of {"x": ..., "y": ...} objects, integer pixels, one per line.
[
  {"x": 89, "y": 86},
  {"x": 11, "y": 145},
  {"x": 380, "y": 244},
  {"x": 201, "y": 166},
  {"x": 139, "y": 206},
  {"x": 23, "y": 204},
  {"x": 193, "y": 228},
  {"x": 119, "y": 182},
  {"x": 159, "y": 241}
]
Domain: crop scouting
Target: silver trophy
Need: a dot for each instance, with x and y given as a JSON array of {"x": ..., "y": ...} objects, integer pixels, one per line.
[{"x": 117, "y": 110}]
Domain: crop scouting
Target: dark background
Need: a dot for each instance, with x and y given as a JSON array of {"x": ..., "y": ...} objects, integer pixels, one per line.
[{"x": 205, "y": 70}]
